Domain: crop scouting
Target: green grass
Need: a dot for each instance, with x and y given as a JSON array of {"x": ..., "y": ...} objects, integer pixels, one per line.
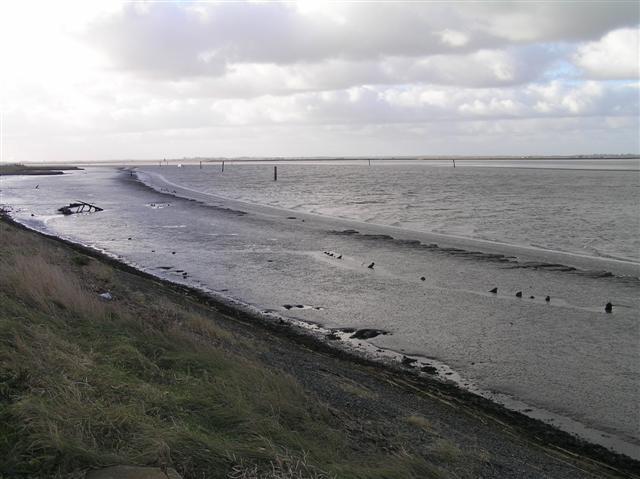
[{"x": 147, "y": 379}]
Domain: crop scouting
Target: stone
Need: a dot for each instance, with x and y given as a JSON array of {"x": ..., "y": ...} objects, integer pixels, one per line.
[{"x": 106, "y": 296}]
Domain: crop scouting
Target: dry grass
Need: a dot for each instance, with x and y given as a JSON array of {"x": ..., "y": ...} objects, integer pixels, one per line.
[
  {"x": 285, "y": 465},
  {"x": 420, "y": 422},
  {"x": 48, "y": 286},
  {"x": 446, "y": 451}
]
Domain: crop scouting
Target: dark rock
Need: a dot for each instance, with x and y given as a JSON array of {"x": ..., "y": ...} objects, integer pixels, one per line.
[
  {"x": 371, "y": 265},
  {"x": 340, "y": 257},
  {"x": 429, "y": 370},
  {"x": 287, "y": 306},
  {"x": 532, "y": 297},
  {"x": 547, "y": 299},
  {"x": 173, "y": 252},
  {"x": 422, "y": 278},
  {"x": 347, "y": 330},
  {"x": 129, "y": 239},
  {"x": 608, "y": 307},
  {"x": 367, "y": 333},
  {"x": 301, "y": 306},
  {"x": 332, "y": 336},
  {"x": 519, "y": 294},
  {"x": 494, "y": 291},
  {"x": 408, "y": 361}
]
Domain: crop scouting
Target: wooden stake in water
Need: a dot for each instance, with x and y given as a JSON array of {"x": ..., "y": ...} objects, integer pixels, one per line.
[
  {"x": 369, "y": 162},
  {"x": 275, "y": 173},
  {"x": 454, "y": 163},
  {"x": 200, "y": 165},
  {"x": 223, "y": 166}
]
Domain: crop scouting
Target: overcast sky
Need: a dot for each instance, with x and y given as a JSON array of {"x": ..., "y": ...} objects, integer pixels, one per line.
[{"x": 83, "y": 81}]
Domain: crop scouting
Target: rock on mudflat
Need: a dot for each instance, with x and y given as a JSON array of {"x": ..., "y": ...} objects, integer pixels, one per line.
[
  {"x": 407, "y": 361},
  {"x": 519, "y": 294},
  {"x": 608, "y": 307},
  {"x": 494, "y": 291},
  {"x": 367, "y": 333}
]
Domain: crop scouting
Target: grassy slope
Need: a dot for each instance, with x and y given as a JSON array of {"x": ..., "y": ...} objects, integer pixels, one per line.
[{"x": 149, "y": 379}]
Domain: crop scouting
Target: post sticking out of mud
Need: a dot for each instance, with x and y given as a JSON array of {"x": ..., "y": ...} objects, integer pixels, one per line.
[
  {"x": 201, "y": 165},
  {"x": 222, "y": 166},
  {"x": 454, "y": 163},
  {"x": 369, "y": 162},
  {"x": 275, "y": 173}
]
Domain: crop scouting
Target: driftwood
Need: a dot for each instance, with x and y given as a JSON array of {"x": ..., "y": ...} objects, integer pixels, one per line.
[{"x": 79, "y": 207}]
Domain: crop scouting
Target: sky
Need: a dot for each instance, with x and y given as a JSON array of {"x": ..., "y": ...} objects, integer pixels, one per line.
[{"x": 100, "y": 80}]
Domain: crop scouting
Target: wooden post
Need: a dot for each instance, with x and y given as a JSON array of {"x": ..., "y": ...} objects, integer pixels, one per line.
[
  {"x": 454, "y": 163},
  {"x": 201, "y": 165},
  {"x": 369, "y": 162},
  {"x": 222, "y": 166},
  {"x": 275, "y": 173}
]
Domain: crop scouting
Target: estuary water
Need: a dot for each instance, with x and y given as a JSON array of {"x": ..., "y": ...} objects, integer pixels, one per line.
[{"x": 440, "y": 240}]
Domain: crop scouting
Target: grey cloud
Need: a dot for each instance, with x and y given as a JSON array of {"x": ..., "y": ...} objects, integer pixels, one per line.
[{"x": 176, "y": 40}]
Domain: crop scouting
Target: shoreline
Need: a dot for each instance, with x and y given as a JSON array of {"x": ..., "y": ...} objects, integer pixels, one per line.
[
  {"x": 537, "y": 433},
  {"x": 627, "y": 268},
  {"x": 35, "y": 170}
]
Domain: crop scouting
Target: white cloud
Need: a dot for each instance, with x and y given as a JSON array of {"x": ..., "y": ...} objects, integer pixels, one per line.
[
  {"x": 453, "y": 38},
  {"x": 615, "y": 56}
]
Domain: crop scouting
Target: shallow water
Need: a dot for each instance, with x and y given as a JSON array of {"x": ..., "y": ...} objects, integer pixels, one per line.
[
  {"x": 566, "y": 360},
  {"x": 580, "y": 210}
]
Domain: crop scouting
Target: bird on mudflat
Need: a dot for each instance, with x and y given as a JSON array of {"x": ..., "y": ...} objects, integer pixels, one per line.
[
  {"x": 608, "y": 307},
  {"x": 371, "y": 265},
  {"x": 519, "y": 294},
  {"x": 547, "y": 299}
]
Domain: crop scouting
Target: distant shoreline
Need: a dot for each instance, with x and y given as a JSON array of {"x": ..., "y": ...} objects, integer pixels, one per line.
[
  {"x": 268, "y": 159},
  {"x": 33, "y": 170}
]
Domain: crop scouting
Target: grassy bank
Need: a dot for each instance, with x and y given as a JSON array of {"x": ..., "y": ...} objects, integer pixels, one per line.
[{"x": 150, "y": 378}]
